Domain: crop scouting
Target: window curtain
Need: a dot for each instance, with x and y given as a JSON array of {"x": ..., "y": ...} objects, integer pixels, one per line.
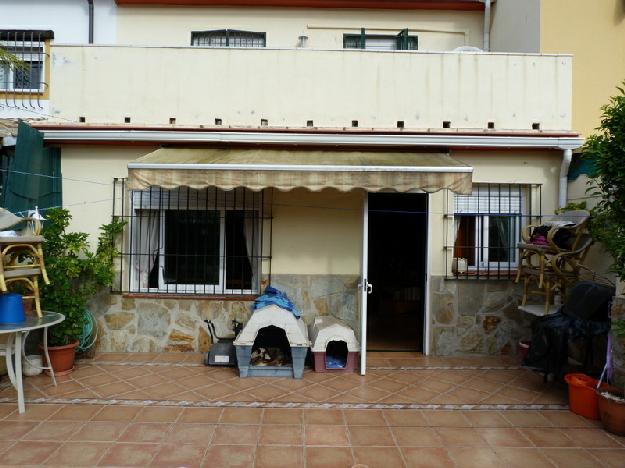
[
  {"x": 252, "y": 244},
  {"x": 146, "y": 246}
]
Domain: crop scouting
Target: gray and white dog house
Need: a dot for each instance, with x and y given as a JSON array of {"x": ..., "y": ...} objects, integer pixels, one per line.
[{"x": 272, "y": 323}]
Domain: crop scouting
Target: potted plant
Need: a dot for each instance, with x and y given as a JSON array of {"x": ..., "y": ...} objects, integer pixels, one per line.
[
  {"x": 76, "y": 274},
  {"x": 606, "y": 152}
]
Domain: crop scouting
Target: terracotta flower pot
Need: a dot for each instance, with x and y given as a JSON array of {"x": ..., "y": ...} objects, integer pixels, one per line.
[
  {"x": 61, "y": 357},
  {"x": 612, "y": 411}
]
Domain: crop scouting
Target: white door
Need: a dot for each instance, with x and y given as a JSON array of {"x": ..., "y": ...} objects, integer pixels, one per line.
[{"x": 365, "y": 287}]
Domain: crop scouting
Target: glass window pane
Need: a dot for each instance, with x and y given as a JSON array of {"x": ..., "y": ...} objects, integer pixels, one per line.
[
  {"x": 192, "y": 247},
  {"x": 501, "y": 239},
  {"x": 5, "y": 77},
  {"x": 238, "y": 265},
  {"x": 29, "y": 78}
]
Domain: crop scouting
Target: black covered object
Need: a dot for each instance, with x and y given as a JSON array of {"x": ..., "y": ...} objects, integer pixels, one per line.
[
  {"x": 589, "y": 301},
  {"x": 583, "y": 316}
]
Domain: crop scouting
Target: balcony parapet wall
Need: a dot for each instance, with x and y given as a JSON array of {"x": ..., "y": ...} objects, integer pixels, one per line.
[{"x": 303, "y": 87}]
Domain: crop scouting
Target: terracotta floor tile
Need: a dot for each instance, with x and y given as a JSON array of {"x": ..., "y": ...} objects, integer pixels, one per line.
[
  {"x": 547, "y": 437},
  {"x": 591, "y": 438},
  {"x": 158, "y": 414},
  {"x": 482, "y": 385},
  {"x": 279, "y": 457},
  {"x": 324, "y": 416},
  {"x": 569, "y": 458},
  {"x": 389, "y": 385},
  {"x": 566, "y": 419},
  {"x": 241, "y": 416},
  {"x": 326, "y": 435},
  {"x": 194, "y": 434},
  {"x": 446, "y": 418},
  {"x": 318, "y": 392},
  {"x": 504, "y": 437},
  {"x": 236, "y": 434},
  {"x": 329, "y": 457},
  {"x": 28, "y": 453},
  {"x": 34, "y": 413},
  {"x": 405, "y": 418},
  {"x": 53, "y": 430},
  {"x": 414, "y": 395},
  {"x": 370, "y": 436},
  {"x": 283, "y": 416},
  {"x": 460, "y": 437},
  {"x": 486, "y": 419},
  {"x": 145, "y": 432},
  {"x": 426, "y": 457},
  {"x": 79, "y": 454},
  {"x": 147, "y": 381},
  {"x": 130, "y": 455},
  {"x": 215, "y": 391},
  {"x": 97, "y": 380},
  {"x": 364, "y": 417},
  {"x": 111, "y": 390},
  {"x": 100, "y": 431},
  {"x": 379, "y": 457},
  {"x": 514, "y": 457},
  {"x": 474, "y": 457},
  {"x": 200, "y": 415},
  {"x": 179, "y": 455},
  {"x": 281, "y": 434},
  {"x": 526, "y": 419},
  {"x": 6, "y": 409},
  {"x": 240, "y": 456},
  {"x": 76, "y": 413},
  {"x": 14, "y": 430},
  {"x": 417, "y": 437},
  {"x": 117, "y": 413},
  {"x": 611, "y": 458}
]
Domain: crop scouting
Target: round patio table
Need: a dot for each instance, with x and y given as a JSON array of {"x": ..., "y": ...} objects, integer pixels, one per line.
[{"x": 15, "y": 345}]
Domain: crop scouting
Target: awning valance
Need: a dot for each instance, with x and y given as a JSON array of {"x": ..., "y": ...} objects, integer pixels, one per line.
[{"x": 285, "y": 170}]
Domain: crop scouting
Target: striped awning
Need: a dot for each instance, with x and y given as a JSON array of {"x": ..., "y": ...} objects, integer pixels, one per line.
[{"x": 285, "y": 170}]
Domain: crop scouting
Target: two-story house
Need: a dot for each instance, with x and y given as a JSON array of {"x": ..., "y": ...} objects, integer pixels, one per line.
[{"x": 348, "y": 152}]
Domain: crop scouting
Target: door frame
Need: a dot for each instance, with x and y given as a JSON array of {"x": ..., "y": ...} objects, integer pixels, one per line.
[{"x": 365, "y": 288}]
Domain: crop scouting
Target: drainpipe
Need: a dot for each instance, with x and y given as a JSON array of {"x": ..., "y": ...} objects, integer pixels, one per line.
[
  {"x": 567, "y": 156},
  {"x": 486, "y": 45},
  {"x": 90, "y": 2}
]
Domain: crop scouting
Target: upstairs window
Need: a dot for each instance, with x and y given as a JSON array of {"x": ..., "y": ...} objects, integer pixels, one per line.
[
  {"x": 401, "y": 41},
  {"x": 28, "y": 46},
  {"x": 228, "y": 38}
]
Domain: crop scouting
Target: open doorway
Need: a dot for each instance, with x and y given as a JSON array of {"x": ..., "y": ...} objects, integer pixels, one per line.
[{"x": 396, "y": 269}]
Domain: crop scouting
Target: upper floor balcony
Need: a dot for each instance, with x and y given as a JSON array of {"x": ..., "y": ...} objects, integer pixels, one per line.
[{"x": 299, "y": 88}]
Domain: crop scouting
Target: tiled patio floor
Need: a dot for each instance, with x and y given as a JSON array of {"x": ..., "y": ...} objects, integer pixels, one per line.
[{"x": 409, "y": 411}]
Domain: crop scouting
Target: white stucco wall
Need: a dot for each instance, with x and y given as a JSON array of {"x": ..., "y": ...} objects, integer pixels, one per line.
[
  {"x": 290, "y": 87},
  {"x": 515, "y": 26},
  {"x": 437, "y": 30},
  {"x": 69, "y": 19}
]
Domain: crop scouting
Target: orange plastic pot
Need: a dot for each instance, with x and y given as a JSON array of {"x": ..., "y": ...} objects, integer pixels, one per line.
[
  {"x": 582, "y": 395},
  {"x": 62, "y": 357}
]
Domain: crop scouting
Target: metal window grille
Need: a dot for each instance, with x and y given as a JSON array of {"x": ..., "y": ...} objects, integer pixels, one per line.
[
  {"x": 193, "y": 241},
  {"x": 228, "y": 38},
  {"x": 25, "y": 84},
  {"x": 401, "y": 41},
  {"x": 483, "y": 229}
]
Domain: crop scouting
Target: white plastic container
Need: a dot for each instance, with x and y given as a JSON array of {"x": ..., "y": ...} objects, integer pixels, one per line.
[{"x": 32, "y": 365}]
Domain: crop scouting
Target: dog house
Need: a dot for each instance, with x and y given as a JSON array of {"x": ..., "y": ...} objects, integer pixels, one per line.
[
  {"x": 273, "y": 343},
  {"x": 334, "y": 347}
]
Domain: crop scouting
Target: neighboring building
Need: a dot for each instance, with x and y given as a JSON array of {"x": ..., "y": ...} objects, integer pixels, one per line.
[{"x": 254, "y": 145}]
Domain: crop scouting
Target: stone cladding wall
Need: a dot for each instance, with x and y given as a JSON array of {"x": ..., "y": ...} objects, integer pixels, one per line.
[
  {"x": 159, "y": 323},
  {"x": 476, "y": 317}
]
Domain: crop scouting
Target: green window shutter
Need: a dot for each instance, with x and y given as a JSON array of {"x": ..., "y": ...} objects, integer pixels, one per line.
[
  {"x": 363, "y": 39},
  {"x": 34, "y": 173},
  {"x": 402, "y": 40}
]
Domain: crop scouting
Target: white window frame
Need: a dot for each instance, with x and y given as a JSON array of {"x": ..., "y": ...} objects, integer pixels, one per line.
[
  {"x": 197, "y": 289},
  {"x": 481, "y": 231},
  {"x": 27, "y": 57}
]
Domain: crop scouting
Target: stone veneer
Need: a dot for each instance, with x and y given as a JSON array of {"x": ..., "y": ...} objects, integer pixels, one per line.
[
  {"x": 476, "y": 316},
  {"x": 159, "y": 323},
  {"x": 618, "y": 344}
]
